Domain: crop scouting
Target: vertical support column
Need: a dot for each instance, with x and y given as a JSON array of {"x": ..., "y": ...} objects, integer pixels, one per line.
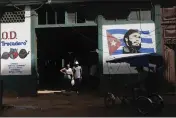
[
  {"x": 46, "y": 17},
  {"x": 100, "y": 20},
  {"x": 63, "y": 63},
  {"x": 1, "y": 14},
  {"x": 66, "y": 17},
  {"x": 158, "y": 36},
  {"x": 28, "y": 18},
  {"x": 1, "y": 80},
  {"x": 2, "y": 11},
  {"x": 55, "y": 13},
  {"x": 34, "y": 23},
  {"x": 1, "y": 93}
]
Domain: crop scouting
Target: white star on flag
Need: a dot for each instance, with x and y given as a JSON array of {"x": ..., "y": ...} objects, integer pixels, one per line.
[{"x": 113, "y": 43}]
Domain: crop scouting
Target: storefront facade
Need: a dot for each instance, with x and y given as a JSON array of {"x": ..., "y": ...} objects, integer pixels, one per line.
[{"x": 20, "y": 73}]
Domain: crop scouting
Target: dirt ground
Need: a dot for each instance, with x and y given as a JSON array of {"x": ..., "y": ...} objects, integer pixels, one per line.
[{"x": 85, "y": 105}]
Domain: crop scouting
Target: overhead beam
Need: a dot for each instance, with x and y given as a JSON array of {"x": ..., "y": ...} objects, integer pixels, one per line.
[
  {"x": 36, "y": 2},
  {"x": 65, "y": 25}
]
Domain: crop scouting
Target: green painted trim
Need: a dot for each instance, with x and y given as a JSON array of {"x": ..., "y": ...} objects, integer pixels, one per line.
[
  {"x": 158, "y": 36},
  {"x": 33, "y": 55},
  {"x": 66, "y": 25},
  {"x": 126, "y": 22},
  {"x": 66, "y": 17},
  {"x": 100, "y": 43},
  {"x": 0, "y": 40}
]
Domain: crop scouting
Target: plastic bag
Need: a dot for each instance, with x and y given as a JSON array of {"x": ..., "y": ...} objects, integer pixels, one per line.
[{"x": 72, "y": 82}]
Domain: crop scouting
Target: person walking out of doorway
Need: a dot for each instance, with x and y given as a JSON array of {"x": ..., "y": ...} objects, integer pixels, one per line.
[
  {"x": 77, "y": 73},
  {"x": 68, "y": 75}
]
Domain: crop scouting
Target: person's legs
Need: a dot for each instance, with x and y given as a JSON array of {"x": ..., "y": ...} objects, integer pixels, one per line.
[
  {"x": 69, "y": 85},
  {"x": 66, "y": 84},
  {"x": 96, "y": 83},
  {"x": 77, "y": 85},
  {"x": 80, "y": 84},
  {"x": 91, "y": 82}
]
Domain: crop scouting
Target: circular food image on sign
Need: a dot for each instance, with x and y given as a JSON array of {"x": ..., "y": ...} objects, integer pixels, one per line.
[
  {"x": 5, "y": 55},
  {"x": 13, "y": 53},
  {"x": 23, "y": 53}
]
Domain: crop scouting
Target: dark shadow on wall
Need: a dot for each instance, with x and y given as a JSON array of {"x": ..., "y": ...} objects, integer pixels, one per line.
[
  {"x": 62, "y": 43},
  {"x": 88, "y": 11},
  {"x": 116, "y": 84},
  {"x": 156, "y": 81},
  {"x": 113, "y": 10},
  {"x": 19, "y": 85}
]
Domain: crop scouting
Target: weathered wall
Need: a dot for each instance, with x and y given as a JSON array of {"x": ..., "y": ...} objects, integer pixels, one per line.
[
  {"x": 168, "y": 26},
  {"x": 118, "y": 81},
  {"x": 110, "y": 12},
  {"x": 19, "y": 81},
  {"x": 88, "y": 12}
]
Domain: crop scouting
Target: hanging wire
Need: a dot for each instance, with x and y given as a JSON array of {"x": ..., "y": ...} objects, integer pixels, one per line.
[
  {"x": 19, "y": 9},
  {"x": 43, "y": 3}
]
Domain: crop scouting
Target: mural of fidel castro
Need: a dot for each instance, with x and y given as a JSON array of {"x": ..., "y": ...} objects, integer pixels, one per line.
[{"x": 132, "y": 40}]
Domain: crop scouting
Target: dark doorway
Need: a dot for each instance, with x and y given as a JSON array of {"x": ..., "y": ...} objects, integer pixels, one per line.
[{"x": 64, "y": 43}]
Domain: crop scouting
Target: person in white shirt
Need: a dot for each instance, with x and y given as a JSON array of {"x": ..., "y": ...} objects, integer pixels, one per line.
[
  {"x": 77, "y": 73},
  {"x": 68, "y": 75}
]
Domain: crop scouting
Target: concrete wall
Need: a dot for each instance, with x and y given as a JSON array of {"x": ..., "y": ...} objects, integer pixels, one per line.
[
  {"x": 116, "y": 82},
  {"x": 20, "y": 84},
  {"x": 27, "y": 84}
]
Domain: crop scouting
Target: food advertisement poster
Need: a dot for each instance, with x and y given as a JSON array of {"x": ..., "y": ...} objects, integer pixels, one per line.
[{"x": 15, "y": 49}]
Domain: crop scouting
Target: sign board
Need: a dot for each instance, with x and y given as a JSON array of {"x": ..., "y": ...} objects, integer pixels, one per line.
[
  {"x": 122, "y": 40},
  {"x": 15, "y": 49}
]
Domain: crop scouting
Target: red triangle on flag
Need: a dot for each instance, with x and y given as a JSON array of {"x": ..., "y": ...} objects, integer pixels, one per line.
[{"x": 113, "y": 43}]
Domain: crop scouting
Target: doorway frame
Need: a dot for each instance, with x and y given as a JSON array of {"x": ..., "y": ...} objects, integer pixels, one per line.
[{"x": 35, "y": 25}]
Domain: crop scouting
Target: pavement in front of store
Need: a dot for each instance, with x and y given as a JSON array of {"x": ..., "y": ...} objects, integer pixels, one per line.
[{"x": 85, "y": 105}]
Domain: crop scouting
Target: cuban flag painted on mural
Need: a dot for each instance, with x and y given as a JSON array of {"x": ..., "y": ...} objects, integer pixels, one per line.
[{"x": 117, "y": 44}]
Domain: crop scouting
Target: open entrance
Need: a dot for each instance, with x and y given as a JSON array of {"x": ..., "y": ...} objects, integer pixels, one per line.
[{"x": 60, "y": 46}]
